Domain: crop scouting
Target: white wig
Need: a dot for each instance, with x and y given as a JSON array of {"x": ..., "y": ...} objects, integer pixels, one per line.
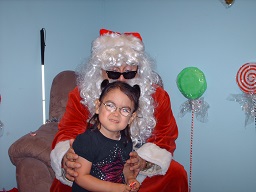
[{"x": 112, "y": 50}]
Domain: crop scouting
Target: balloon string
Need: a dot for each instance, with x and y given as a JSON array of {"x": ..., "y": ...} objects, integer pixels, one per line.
[
  {"x": 191, "y": 148},
  {"x": 254, "y": 114},
  {"x": 254, "y": 107}
]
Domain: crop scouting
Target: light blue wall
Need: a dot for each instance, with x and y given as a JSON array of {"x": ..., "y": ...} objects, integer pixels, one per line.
[
  {"x": 70, "y": 27},
  {"x": 177, "y": 34}
]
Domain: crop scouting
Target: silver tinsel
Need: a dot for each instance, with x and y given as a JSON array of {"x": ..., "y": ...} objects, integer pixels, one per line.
[
  {"x": 1, "y": 128},
  {"x": 248, "y": 105},
  {"x": 198, "y": 106}
]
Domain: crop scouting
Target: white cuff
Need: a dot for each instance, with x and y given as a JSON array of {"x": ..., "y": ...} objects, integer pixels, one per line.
[
  {"x": 156, "y": 155},
  {"x": 56, "y": 158}
]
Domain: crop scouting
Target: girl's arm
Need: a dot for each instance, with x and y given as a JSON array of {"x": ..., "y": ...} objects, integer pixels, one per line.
[
  {"x": 130, "y": 177},
  {"x": 87, "y": 181}
]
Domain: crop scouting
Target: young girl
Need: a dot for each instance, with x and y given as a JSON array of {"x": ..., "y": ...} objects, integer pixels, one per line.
[{"x": 104, "y": 148}]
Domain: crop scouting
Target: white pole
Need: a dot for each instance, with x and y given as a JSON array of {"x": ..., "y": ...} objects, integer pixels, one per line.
[
  {"x": 43, "y": 95},
  {"x": 42, "y": 38}
]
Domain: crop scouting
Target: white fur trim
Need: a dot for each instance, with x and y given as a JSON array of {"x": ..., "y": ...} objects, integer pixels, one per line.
[
  {"x": 56, "y": 158},
  {"x": 140, "y": 178},
  {"x": 154, "y": 154}
]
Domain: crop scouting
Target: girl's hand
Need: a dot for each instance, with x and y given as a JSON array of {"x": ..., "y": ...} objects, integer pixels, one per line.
[
  {"x": 134, "y": 185},
  {"x": 122, "y": 188}
]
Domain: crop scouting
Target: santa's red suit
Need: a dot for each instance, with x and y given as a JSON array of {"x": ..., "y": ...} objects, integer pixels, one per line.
[{"x": 169, "y": 176}]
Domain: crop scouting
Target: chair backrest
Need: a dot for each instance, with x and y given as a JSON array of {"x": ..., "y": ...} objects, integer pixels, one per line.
[{"x": 62, "y": 84}]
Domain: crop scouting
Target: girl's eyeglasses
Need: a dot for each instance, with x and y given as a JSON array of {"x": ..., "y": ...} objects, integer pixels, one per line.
[
  {"x": 111, "y": 107},
  {"x": 116, "y": 75}
]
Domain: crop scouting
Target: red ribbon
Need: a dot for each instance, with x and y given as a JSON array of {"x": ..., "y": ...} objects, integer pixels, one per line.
[{"x": 105, "y": 31}]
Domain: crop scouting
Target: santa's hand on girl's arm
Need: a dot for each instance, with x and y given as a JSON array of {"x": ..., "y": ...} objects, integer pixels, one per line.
[
  {"x": 136, "y": 162},
  {"x": 69, "y": 163}
]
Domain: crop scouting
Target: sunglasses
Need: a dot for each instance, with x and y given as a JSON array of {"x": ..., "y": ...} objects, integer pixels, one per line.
[{"x": 116, "y": 75}]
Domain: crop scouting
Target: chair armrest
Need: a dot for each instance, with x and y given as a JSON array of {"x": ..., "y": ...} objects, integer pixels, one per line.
[{"x": 37, "y": 146}]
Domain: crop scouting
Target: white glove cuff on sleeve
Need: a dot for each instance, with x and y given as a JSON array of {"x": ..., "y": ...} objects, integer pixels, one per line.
[
  {"x": 56, "y": 156},
  {"x": 156, "y": 155}
]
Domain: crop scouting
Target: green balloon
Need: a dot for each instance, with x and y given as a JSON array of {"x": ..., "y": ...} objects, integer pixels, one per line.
[{"x": 191, "y": 82}]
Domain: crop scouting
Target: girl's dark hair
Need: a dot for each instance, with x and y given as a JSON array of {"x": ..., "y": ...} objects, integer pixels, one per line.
[{"x": 133, "y": 93}]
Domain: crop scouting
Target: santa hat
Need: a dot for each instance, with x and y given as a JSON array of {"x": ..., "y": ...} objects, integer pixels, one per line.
[{"x": 113, "y": 48}]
